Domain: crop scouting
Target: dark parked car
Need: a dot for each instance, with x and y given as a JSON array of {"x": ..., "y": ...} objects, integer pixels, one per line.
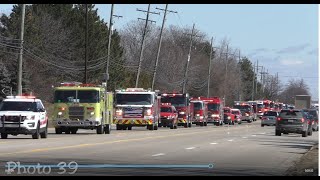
[
  {"x": 293, "y": 121},
  {"x": 315, "y": 116}
]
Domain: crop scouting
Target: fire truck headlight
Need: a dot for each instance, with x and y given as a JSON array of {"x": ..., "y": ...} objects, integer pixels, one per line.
[
  {"x": 119, "y": 112},
  {"x": 214, "y": 115},
  {"x": 247, "y": 114},
  {"x": 229, "y": 117},
  {"x": 92, "y": 113},
  {"x": 259, "y": 111},
  {"x": 59, "y": 113},
  {"x": 182, "y": 112},
  {"x": 197, "y": 114}
]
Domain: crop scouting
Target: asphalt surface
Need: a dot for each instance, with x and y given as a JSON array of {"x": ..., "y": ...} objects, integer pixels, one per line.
[{"x": 246, "y": 149}]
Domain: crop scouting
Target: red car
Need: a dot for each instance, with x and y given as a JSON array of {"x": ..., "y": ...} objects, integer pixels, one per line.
[{"x": 228, "y": 117}]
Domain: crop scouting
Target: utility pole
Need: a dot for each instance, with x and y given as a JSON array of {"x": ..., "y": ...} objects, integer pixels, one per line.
[
  {"x": 209, "y": 69},
  {"x": 142, "y": 43},
  {"x": 257, "y": 77},
  {"x": 86, "y": 48},
  {"x": 239, "y": 73},
  {"x": 159, "y": 43},
  {"x": 21, "y": 50},
  {"x": 109, "y": 44},
  {"x": 225, "y": 78},
  {"x": 253, "y": 79},
  {"x": 189, "y": 54}
]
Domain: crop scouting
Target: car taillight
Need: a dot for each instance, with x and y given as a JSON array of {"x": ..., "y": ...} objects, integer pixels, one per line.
[
  {"x": 302, "y": 120},
  {"x": 278, "y": 119},
  {"x": 147, "y": 112}
]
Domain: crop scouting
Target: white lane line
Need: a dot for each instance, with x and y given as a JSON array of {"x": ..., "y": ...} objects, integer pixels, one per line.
[
  {"x": 253, "y": 135},
  {"x": 160, "y": 154},
  {"x": 190, "y": 147},
  {"x": 263, "y": 133},
  {"x": 244, "y": 137},
  {"x": 213, "y": 143},
  {"x": 230, "y": 140},
  {"x": 228, "y": 132}
]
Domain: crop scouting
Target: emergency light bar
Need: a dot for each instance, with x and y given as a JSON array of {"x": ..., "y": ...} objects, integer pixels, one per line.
[
  {"x": 71, "y": 83},
  {"x": 169, "y": 104},
  {"x": 135, "y": 89},
  {"x": 21, "y": 97}
]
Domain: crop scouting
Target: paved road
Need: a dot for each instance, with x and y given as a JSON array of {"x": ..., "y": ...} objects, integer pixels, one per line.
[{"x": 245, "y": 149}]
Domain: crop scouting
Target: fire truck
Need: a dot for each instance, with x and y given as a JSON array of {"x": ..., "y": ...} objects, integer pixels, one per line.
[
  {"x": 266, "y": 104},
  {"x": 260, "y": 108},
  {"x": 82, "y": 106},
  {"x": 136, "y": 107},
  {"x": 254, "y": 108},
  {"x": 215, "y": 110},
  {"x": 200, "y": 112},
  {"x": 182, "y": 104},
  {"x": 246, "y": 111}
]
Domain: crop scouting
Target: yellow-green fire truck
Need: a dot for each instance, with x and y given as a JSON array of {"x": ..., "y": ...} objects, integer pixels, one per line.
[{"x": 82, "y": 106}]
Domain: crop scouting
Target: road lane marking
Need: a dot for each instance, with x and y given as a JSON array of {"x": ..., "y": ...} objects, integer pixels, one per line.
[
  {"x": 102, "y": 143},
  {"x": 253, "y": 135},
  {"x": 230, "y": 140},
  {"x": 160, "y": 154},
  {"x": 190, "y": 148},
  {"x": 228, "y": 132},
  {"x": 263, "y": 133},
  {"x": 214, "y": 143},
  {"x": 244, "y": 137}
]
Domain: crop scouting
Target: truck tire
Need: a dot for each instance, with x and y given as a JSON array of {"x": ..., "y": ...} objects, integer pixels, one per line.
[
  {"x": 130, "y": 128},
  {"x": 4, "y": 135},
  {"x": 118, "y": 127},
  {"x": 205, "y": 123},
  {"x": 155, "y": 127},
  {"x": 201, "y": 123},
  {"x": 310, "y": 133},
  {"x": 278, "y": 133},
  {"x": 36, "y": 135},
  {"x": 185, "y": 125},
  {"x": 58, "y": 130},
  {"x": 171, "y": 126},
  {"x": 67, "y": 131},
  {"x": 73, "y": 130},
  {"x": 100, "y": 129},
  {"x": 189, "y": 125},
  {"x": 107, "y": 129},
  {"x": 304, "y": 133},
  {"x": 44, "y": 134},
  {"x": 175, "y": 127},
  {"x": 150, "y": 127},
  {"x": 262, "y": 125}
]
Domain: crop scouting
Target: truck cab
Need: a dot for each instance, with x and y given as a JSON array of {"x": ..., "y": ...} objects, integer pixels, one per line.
[
  {"x": 200, "y": 112},
  {"x": 168, "y": 116}
]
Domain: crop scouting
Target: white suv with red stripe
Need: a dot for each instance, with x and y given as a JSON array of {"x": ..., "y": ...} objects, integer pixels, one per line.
[{"x": 23, "y": 115}]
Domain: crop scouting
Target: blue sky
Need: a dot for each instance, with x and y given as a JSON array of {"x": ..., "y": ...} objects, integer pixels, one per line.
[{"x": 283, "y": 38}]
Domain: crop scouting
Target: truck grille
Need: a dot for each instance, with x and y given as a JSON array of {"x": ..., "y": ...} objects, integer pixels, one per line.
[
  {"x": 12, "y": 118},
  {"x": 76, "y": 113}
]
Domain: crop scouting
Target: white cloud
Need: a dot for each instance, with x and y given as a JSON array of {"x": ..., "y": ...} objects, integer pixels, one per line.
[{"x": 288, "y": 62}]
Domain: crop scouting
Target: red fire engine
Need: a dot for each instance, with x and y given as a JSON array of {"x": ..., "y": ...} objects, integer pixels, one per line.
[
  {"x": 215, "y": 110},
  {"x": 200, "y": 112},
  {"x": 182, "y": 104}
]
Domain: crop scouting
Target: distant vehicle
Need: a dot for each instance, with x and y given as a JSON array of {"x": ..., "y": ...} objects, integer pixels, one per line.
[
  {"x": 215, "y": 110},
  {"x": 237, "y": 114},
  {"x": 292, "y": 121},
  {"x": 228, "y": 117},
  {"x": 200, "y": 112},
  {"x": 315, "y": 118},
  {"x": 269, "y": 118},
  {"x": 23, "y": 115},
  {"x": 260, "y": 109},
  {"x": 246, "y": 112},
  {"x": 168, "y": 116},
  {"x": 302, "y": 102}
]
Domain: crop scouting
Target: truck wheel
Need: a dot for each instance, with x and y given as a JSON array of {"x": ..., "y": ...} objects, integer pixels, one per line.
[
  {"x": 262, "y": 125},
  {"x": 107, "y": 129},
  {"x": 58, "y": 130},
  {"x": 310, "y": 133},
  {"x": 118, "y": 127},
  {"x": 171, "y": 126},
  {"x": 239, "y": 122},
  {"x": 304, "y": 133},
  {"x": 278, "y": 133},
  {"x": 185, "y": 125},
  {"x": 44, "y": 134},
  {"x": 4, "y": 135},
  {"x": 100, "y": 129},
  {"x": 189, "y": 125},
  {"x": 124, "y": 127},
  {"x": 155, "y": 127},
  {"x": 201, "y": 123},
  {"x": 175, "y": 127},
  {"x": 74, "y": 130},
  {"x": 129, "y": 127},
  {"x": 159, "y": 125},
  {"x": 205, "y": 123},
  {"x": 67, "y": 131},
  {"x": 36, "y": 135},
  {"x": 150, "y": 127}
]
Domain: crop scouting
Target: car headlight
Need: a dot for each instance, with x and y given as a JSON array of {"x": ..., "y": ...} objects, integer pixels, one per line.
[
  {"x": 247, "y": 114},
  {"x": 214, "y": 115},
  {"x": 92, "y": 113},
  {"x": 182, "y": 112},
  {"x": 31, "y": 117},
  {"x": 197, "y": 114},
  {"x": 59, "y": 113},
  {"x": 229, "y": 117}
]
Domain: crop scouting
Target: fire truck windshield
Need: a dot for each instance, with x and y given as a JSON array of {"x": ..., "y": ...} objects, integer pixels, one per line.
[
  {"x": 175, "y": 101},
  {"x": 133, "y": 99},
  {"x": 197, "y": 105},
  {"x": 213, "y": 107},
  {"x": 83, "y": 96},
  {"x": 166, "y": 109},
  {"x": 18, "y": 106},
  {"x": 243, "y": 107},
  {"x": 259, "y": 105}
]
